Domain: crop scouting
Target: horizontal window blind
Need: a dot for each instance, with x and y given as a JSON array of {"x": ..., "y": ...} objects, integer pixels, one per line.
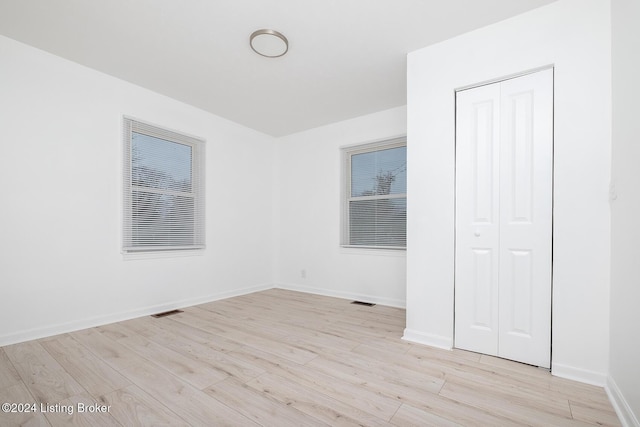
[
  {"x": 163, "y": 189},
  {"x": 375, "y": 203},
  {"x": 378, "y": 222}
]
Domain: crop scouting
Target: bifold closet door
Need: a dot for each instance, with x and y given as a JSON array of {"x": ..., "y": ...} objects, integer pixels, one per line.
[{"x": 504, "y": 193}]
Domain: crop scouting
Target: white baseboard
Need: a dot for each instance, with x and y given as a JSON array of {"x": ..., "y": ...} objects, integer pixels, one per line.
[
  {"x": 63, "y": 328},
  {"x": 576, "y": 374},
  {"x": 344, "y": 295},
  {"x": 431, "y": 340},
  {"x": 620, "y": 404}
]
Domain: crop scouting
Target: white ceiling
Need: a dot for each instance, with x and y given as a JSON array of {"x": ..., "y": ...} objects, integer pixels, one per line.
[{"x": 346, "y": 57}]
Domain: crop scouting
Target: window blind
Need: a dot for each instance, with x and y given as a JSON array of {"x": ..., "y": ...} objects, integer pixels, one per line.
[
  {"x": 375, "y": 204},
  {"x": 163, "y": 189}
]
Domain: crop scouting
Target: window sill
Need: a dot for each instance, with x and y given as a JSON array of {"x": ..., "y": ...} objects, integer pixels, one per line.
[
  {"x": 368, "y": 251},
  {"x": 128, "y": 256}
]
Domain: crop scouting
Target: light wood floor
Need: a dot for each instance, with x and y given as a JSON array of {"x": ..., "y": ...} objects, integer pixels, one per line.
[{"x": 279, "y": 358}]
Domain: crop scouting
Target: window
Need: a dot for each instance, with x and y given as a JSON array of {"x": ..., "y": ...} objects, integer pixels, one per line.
[
  {"x": 163, "y": 189},
  {"x": 375, "y": 202}
]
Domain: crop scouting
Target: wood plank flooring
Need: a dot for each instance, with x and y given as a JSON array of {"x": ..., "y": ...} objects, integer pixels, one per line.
[{"x": 279, "y": 358}]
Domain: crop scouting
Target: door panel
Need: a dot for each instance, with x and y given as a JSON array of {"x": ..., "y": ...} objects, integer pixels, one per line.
[
  {"x": 517, "y": 296},
  {"x": 483, "y": 292},
  {"x": 526, "y": 144},
  {"x": 477, "y": 226},
  {"x": 482, "y": 143},
  {"x": 519, "y": 167},
  {"x": 504, "y": 153}
]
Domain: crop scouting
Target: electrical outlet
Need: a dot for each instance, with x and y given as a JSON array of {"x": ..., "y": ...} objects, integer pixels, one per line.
[{"x": 303, "y": 273}]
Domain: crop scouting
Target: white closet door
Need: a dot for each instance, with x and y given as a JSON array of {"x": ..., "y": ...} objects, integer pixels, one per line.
[
  {"x": 503, "y": 259},
  {"x": 477, "y": 219},
  {"x": 526, "y": 188}
]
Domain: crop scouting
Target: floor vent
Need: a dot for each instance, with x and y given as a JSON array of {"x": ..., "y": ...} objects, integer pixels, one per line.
[
  {"x": 367, "y": 304},
  {"x": 166, "y": 313}
]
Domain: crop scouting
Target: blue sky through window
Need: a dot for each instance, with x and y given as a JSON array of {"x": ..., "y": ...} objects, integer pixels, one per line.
[
  {"x": 368, "y": 172},
  {"x": 160, "y": 163}
]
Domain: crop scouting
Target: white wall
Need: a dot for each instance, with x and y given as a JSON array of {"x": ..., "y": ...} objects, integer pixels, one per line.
[
  {"x": 60, "y": 220},
  {"x": 624, "y": 380},
  {"x": 308, "y": 203},
  {"x": 574, "y": 36}
]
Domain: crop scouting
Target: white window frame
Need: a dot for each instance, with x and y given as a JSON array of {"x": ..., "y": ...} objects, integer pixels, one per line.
[
  {"x": 347, "y": 153},
  {"x": 197, "y": 145}
]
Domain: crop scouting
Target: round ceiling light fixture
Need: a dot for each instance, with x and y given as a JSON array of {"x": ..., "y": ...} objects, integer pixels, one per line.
[{"x": 269, "y": 43}]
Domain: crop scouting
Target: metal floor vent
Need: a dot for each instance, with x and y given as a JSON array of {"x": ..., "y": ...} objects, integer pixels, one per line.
[
  {"x": 166, "y": 313},
  {"x": 367, "y": 304}
]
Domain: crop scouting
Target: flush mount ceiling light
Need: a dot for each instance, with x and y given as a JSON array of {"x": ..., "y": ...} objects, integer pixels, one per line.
[{"x": 269, "y": 43}]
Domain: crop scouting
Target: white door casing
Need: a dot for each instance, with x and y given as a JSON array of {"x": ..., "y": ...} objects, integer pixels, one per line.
[{"x": 504, "y": 187}]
